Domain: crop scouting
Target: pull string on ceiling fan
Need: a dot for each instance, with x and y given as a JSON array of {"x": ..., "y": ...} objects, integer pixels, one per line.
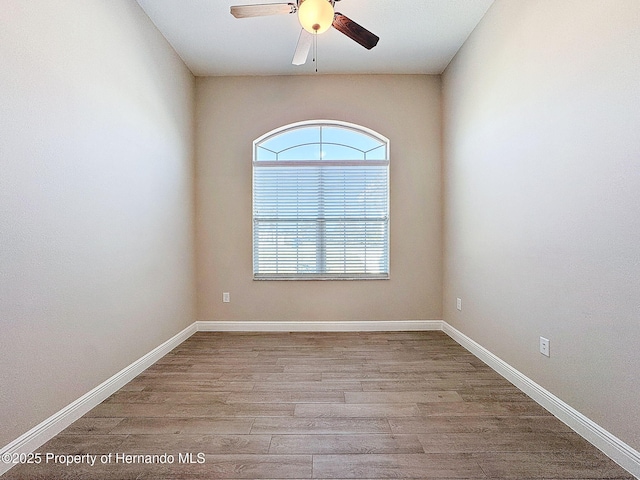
[{"x": 315, "y": 50}]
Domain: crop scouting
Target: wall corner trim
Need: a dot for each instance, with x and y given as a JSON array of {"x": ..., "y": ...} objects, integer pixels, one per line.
[
  {"x": 624, "y": 455},
  {"x": 49, "y": 428}
]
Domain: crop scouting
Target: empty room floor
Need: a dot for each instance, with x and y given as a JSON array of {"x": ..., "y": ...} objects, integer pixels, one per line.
[{"x": 320, "y": 405}]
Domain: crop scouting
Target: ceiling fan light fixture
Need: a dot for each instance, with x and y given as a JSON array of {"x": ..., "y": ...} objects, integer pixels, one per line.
[{"x": 316, "y": 16}]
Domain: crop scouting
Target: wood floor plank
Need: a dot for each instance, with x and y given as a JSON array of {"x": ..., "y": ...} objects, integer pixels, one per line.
[
  {"x": 319, "y": 426},
  {"x": 402, "y": 397},
  {"x": 308, "y": 386},
  {"x": 187, "y": 410},
  {"x": 255, "y": 466},
  {"x": 458, "y": 466},
  {"x": 61, "y": 471},
  {"x": 427, "y": 366},
  {"x": 90, "y": 426},
  {"x": 476, "y": 395},
  {"x": 159, "y": 425},
  {"x": 73, "y": 444},
  {"x": 203, "y": 386},
  {"x": 265, "y": 377},
  {"x": 557, "y": 465},
  {"x": 315, "y": 396},
  {"x": 210, "y": 444},
  {"x": 345, "y": 444},
  {"x": 345, "y": 367},
  {"x": 400, "y": 385},
  {"x": 482, "y": 408},
  {"x": 476, "y": 424},
  {"x": 184, "y": 397},
  {"x": 375, "y": 376},
  {"x": 515, "y": 441},
  {"x": 369, "y": 410}
]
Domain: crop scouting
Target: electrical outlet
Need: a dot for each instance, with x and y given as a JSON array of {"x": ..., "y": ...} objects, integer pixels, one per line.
[
  {"x": 544, "y": 346},
  {"x": 459, "y": 304},
  {"x": 225, "y": 297}
]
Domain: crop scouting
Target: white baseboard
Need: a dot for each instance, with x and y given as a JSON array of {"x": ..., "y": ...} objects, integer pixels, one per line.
[
  {"x": 49, "y": 428},
  {"x": 625, "y": 456},
  {"x": 320, "y": 326},
  {"x": 612, "y": 446}
]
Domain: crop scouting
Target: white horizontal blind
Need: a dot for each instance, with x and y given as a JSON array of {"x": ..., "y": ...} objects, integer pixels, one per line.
[{"x": 320, "y": 219}]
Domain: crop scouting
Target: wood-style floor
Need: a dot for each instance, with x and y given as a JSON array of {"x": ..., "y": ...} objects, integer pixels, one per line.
[{"x": 322, "y": 405}]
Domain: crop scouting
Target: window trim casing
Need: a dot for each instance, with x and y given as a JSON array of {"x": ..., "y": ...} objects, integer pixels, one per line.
[{"x": 387, "y": 162}]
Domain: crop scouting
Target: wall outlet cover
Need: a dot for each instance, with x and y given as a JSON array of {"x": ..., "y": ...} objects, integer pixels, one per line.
[{"x": 544, "y": 346}]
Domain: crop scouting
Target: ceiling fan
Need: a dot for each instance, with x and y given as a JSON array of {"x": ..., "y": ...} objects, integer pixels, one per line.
[{"x": 315, "y": 16}]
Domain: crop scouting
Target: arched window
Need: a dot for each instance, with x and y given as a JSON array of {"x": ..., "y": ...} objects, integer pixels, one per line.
[{"x": 321, "y": 203}]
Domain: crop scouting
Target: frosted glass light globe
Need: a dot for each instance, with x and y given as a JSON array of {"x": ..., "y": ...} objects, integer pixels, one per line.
[{"x": 316, "y": 16}]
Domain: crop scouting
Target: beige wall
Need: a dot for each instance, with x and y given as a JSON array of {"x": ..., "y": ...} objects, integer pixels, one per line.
[
  {"x": 542, "y": 202},
  {"x": 233, "y": 111},
  {"x": 96, "y": 200}
]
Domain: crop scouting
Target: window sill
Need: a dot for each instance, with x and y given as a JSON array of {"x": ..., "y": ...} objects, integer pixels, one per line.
[{"x": 318, "y": 277}]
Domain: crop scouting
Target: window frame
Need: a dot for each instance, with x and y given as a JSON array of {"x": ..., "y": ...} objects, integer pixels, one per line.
[{"x": 359, "y": 129}]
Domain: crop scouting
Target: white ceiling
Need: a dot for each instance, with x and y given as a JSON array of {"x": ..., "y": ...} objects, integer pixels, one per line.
[{"x": 415, "y": 37}]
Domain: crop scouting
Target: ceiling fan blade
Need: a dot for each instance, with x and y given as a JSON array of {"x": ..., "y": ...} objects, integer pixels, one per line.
[
  {"x": 261, "y": 10},
  {"x": 354, "y": 31},
  {"x": 302, "y": 49}
]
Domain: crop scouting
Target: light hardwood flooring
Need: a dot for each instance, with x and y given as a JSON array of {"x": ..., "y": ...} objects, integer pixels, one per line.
[{"x": 323, "y": 405}]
